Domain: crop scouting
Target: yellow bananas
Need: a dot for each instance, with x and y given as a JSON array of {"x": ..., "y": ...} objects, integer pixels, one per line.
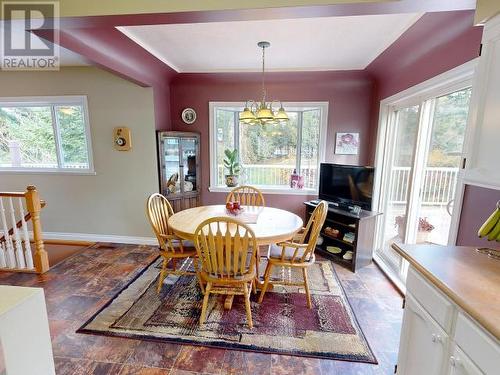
[{"x": 491, "y": 226}]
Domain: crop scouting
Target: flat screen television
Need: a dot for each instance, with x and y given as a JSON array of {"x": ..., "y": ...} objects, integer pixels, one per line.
[{"x": 346, "y": 185}]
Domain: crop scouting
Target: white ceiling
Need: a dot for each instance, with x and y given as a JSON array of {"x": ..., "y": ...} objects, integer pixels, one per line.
[{"x": 323, "y": 43}]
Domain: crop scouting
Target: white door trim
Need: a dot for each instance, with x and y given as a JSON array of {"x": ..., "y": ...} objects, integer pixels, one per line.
[{"x": 447, "y": 82}]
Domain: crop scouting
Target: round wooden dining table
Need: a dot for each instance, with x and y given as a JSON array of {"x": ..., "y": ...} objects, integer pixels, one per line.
[{"x": 270, "y": 225}]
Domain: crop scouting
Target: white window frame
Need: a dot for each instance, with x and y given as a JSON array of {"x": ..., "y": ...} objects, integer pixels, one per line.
[
  {"x": 52, "y": 101},
  {"x": 323, "y": 106}
]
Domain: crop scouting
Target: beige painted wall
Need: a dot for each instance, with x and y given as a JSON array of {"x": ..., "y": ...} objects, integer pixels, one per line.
[
  {"x": 485, "y": 10},
  {"x": 111, "y": 202}
]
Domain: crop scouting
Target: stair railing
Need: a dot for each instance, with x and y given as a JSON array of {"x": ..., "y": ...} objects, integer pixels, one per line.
[{"x": 17, "y": 253}]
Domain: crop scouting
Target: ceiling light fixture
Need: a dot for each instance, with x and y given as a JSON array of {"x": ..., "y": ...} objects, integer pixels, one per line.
[{"x": 262, "y": 112}]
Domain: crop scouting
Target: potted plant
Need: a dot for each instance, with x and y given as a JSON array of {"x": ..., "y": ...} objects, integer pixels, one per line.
[
  {"x": 424, "y": 228},
  {"x": 233, "y": 167}
]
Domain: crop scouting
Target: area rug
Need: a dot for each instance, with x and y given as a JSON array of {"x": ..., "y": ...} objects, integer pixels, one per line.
[{"x": 282, "y": 323}]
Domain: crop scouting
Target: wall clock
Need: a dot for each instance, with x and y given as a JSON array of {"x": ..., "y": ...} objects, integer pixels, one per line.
[{"x": 188, "y": 115}]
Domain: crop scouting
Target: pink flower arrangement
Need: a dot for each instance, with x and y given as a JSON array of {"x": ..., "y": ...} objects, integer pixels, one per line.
[{"x": 423, "y": 224}]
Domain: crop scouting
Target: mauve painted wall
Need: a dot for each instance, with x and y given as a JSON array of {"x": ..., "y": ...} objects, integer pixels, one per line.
[
  {"x": 349, "y": 95},
  {"x": 478, "y": 204},
  {"x": 436, "y": 43}
]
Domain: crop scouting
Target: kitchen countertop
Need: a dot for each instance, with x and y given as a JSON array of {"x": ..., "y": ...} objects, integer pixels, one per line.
[
  {"x": 469, "y": 278},
  {"x": 11, "y": 296}
]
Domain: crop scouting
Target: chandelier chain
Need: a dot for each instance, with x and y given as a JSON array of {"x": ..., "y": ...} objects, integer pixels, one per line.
[
  {"x": 263, "y": 112},
  {"x": 263, "y": 75}
]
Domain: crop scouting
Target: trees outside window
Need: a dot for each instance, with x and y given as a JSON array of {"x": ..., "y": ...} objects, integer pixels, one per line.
[
  {"x": 45, "y": 134},
  {"x": 269, "y": 153}
]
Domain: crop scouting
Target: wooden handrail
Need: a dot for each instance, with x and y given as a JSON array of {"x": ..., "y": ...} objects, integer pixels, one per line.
[
  {"x": 14, "y": 256},
  {"x": 19, "y": 224},
  {"x": 16, "y": 194},
  {"x": 33, "y": 203}
]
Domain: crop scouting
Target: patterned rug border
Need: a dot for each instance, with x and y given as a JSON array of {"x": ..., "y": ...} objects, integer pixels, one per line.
[
  {"x": 82, "y": 329},
  {"x": 181, "y": 341}
]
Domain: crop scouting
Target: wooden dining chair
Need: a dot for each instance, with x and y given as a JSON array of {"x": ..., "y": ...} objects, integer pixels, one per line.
[
  {"x": 247, "y": 196},
  {"x": 297, "y": 253},
  {"x": 227, "y": 252},
  {"x": 172, "y": 248}
]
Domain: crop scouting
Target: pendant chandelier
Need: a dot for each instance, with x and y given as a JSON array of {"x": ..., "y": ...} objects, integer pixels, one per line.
[{"x": 262, "y": 112}]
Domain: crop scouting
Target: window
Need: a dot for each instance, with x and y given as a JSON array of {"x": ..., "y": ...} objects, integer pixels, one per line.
[
  {"x": 45, "y": 134},
  {"x": 268, "y": 154}
]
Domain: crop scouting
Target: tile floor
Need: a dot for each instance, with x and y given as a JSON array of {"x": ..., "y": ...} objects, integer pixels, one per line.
[{"x": 76, "y": 288}]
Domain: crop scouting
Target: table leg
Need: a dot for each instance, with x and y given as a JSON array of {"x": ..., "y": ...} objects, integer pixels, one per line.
[
  {"x": 259, "y": 284},
  {"x": 228, "y": 303}
]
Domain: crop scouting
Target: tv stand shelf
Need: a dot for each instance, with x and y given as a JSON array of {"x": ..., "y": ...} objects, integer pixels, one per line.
[{"x": 363, "y": 228}]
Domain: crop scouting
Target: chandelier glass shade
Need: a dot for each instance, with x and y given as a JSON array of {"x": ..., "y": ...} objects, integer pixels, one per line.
[{"x": 262, "y": 112}]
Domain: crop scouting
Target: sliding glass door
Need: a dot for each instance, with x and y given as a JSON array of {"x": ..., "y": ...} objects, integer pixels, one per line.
[
  {"x": 422, "y": 154},
  {"x": 442, "y": 158},
  {"x": 398, "y": 165}
]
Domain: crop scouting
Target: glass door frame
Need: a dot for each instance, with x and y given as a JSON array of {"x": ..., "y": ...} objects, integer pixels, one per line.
[
  {"x": 385, "y": 185},
  {"x": 425, "y": 95}
]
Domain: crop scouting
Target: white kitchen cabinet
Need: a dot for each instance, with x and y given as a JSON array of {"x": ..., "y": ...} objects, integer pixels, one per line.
[
  {"x": 457, "y": 345},
  {"x": 452, "y": 291},
  {"x": 433, "y": 301},
  {"x": 424, "y": 345},
  {"x": 461, "y": 364},
  {"x": 477, "y": 343},
  {"x": 483, "y": 153}
]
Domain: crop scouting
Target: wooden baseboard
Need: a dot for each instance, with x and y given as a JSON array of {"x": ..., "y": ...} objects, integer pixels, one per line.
[
  {"x": 17, "y": 270},
  {"x": 68, "y": 242},
  {"x": 93, "y": 238}
]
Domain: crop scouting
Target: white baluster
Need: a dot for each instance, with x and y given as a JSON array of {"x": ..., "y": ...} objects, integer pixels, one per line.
[
  {"x": 10, "y": 258},
  {"x": 28, "y": 256},
  {"x": 18, "y": 245},
  {"x": 3, "y": 264}
]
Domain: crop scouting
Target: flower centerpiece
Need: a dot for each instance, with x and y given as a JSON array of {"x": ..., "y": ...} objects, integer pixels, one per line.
[{"x": 233, "y": 208}]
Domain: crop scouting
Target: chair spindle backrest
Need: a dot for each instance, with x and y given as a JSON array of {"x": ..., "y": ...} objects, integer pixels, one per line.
[
  {"x": 247, "y": 196},
  {"x": 226, "y": 247},
  {"x": 313, "y": 228},
  {"x": 158, "y": 210}
]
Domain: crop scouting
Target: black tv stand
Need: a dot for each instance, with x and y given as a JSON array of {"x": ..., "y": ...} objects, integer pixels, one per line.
[
  {"x": 361, "y": 225},
  {"x": 337, "y": 207}
]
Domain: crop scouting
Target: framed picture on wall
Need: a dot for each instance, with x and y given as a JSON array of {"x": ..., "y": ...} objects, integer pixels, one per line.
[
  {"x": 188, "y": 115},
  {"x": 347, "y": 144}
]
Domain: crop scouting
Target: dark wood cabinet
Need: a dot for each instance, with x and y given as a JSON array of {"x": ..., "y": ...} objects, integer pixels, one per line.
[{"x": 360, "y": 230}]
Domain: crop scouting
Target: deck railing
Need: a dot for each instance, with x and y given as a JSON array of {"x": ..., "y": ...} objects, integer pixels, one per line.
[
  {"x": 273, "y": 175},
  {"x": 17, "y": 210},
  {"x": 438, "y": 187}
]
